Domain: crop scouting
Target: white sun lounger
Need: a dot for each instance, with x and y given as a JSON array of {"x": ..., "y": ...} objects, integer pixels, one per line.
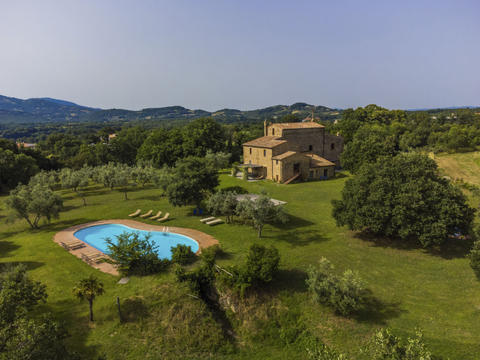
[
  {"x": 147, "y": 214},
  {"x": 136, "y": 213},
  {"x": 155, "y": 217},
  {"x": 207, "y": 219},
  {"x": 214, "y": 222}
]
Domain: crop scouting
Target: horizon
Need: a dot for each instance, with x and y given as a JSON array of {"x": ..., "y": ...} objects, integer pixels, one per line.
[{"x": 217, "y": 55}]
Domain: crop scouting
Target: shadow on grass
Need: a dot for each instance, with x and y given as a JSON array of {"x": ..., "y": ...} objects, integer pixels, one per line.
[
  {"x": 292, "y": 280},
  {"x": 294, "y": 222},
  {"x": 63, "y": 224},
  {"x": 7, "y": 246},
  {"x": 378, "y": 312},
  {"x": 30, "y": 265},
  {"x": 450, "y": 249},
  {"x": 77, "y": 326},
  {"x": 300, "y": 238}
]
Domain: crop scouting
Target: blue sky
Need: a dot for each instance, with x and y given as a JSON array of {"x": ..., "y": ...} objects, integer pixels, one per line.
[{"x": 242, "y": 54}]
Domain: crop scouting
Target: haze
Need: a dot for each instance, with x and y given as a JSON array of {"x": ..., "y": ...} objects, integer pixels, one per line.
[{"x": 242, "y": 54}]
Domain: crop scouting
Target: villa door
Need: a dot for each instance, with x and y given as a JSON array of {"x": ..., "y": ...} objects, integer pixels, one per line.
[{"x": 296, "y": 168}]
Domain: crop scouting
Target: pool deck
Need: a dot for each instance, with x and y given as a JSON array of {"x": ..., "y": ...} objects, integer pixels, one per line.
[{"x": 66, "y": 235}]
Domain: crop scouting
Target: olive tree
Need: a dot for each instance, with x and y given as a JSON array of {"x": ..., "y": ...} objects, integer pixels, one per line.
[{"x": 33, "y": 203}]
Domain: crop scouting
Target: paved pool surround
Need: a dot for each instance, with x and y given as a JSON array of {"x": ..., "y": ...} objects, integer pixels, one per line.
[{"x": 203, "y": 240}]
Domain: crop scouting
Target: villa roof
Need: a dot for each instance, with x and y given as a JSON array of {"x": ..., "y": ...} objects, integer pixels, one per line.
[
  {"x": 298, "y": 125},
  {"x": 266, "y": 142},
  {"x": 318, "y": 161},
  {"x": 284, "y": 155}
]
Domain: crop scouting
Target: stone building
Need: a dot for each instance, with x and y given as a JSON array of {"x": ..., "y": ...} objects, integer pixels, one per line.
[{"x": 290, "y": 151}]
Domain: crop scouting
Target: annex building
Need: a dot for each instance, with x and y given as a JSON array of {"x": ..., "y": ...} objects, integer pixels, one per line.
[{"x": 291, "y": 151}]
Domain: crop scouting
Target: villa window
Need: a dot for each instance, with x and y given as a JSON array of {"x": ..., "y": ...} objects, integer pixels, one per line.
[
  {"x": 310, "y": 147},
  {"x": 325, "y": 172},
  {"x": 276, "y": 162},
  {"x": 332, "y": 146},
  {"x": 264, "y": 152},
  {"x": 250, "y": 151},
  {"x": 273, "y": 131}
]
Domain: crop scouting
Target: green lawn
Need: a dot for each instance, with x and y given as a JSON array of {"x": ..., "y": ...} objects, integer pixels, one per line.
[{"x": 436, "y": 292}]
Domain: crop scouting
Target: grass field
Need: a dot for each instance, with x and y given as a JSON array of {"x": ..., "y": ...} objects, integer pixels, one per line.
[{"x": 434, "y": 291}]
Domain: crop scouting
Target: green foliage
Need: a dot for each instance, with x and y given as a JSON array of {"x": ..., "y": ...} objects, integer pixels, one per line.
[
  {"x": 191, "y": 180},
  {"x": 368, "y": 144},
  {"x": 33, "y": 203},
  {"x": 345, "y": 293},
  {"x": 474, "y": 257},
  {"x": 134, "y": 255},
  {"x": 21, "y": 336},
  {"x": 260, "y": 267},
  {"x": 404, "y": 197},
  {"x": 261, "y": 211},
  {"x": 18, "y": 294},
  {"x": 218, "y": 161},
  {"x": 182, "y": 254},
  {"x": 386, "y": 346},
  {"x": 88, "y": 289},
  {"x": 223, "y": 203},
  {"x": 15, "y": 169},
  {"x": 45, "y": 178}
]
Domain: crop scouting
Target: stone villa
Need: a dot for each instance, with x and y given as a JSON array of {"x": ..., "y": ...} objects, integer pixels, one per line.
[{"x": 290, "y": 151}]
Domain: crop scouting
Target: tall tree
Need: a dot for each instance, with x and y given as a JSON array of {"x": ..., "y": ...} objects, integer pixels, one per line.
[
  {"x": 404, "y": 197},
  {"x": 33, "y": 203},
  {"x": 88, "y": 289}
]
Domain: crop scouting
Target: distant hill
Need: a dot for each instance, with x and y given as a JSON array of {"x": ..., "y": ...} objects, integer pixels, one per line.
[
  {"x": 43, "y": 110},
  {"x": 13, "y": 110}
]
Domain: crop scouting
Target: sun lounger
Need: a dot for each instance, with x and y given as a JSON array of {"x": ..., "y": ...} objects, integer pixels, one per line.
[
  {"x": 164, "y": 218},
  {"x": 92, "y": 258},
  {"x": 214, "y": 222},
  {"x": 136, "y": 213},
  {"x": 147, "y": 214},
  {"x": 207, "y": 219},
  {"x": 73, "y": 245},
  {"x": 155, "y": 217}
]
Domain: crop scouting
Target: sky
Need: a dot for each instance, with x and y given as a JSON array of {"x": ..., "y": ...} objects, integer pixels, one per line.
[{"x": 243, "y": 54}]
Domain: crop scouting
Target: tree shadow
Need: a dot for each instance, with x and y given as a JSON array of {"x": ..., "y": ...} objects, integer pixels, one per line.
[
  {"x": 294, "y": 222},
  {"x": 77, "y": 327},
  {"x": 30, "y": 265},
  {"x": 291, "y": 280},
  {"x": 450, "y": 249},
  {"x": 151, "y": 197},
  {"x": 376, "y": 311},
  {"x": 63, "y": 224},
  {"x": 6, "y": 247},
  {"x": 299, "y": 238}
]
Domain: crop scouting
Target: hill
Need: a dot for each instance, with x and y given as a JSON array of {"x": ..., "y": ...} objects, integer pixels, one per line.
[{"x": 48, "y": 110}]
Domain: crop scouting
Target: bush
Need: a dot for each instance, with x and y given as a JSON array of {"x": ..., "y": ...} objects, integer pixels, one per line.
[
  {"x": 260, "y": 268},
  {"x": 135, "y": 256},
  {"x": 346, "y": 293},
  {"x": 182, "y": 254},
  {"x": 475, "y": 258}
]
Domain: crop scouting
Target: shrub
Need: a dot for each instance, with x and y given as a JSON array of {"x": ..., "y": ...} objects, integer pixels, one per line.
[
  {"x": 182, "y": 254},
  {"x": 385, "y": 345},
  {"x": 475, "y": 258},
  {"x": 346, "y": 293},
  {"x": 135, "y": 256}
]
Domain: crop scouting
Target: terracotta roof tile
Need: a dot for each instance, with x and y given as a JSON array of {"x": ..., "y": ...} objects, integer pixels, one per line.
[
  {"x": 318, "y": 161},
  {"x": 284, "y": 155},
  {"x": 266, "y": 142},
  {"x": 298, "y": 125}
]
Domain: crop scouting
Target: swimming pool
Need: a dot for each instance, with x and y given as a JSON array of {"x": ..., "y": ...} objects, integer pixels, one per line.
[{"x": 95, "y": 236}]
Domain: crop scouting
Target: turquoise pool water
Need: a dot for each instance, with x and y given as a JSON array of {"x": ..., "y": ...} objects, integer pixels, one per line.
[{"x": 96, "y": 235}]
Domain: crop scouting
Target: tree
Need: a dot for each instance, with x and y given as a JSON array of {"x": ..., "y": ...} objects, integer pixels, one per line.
[
  {"x": 192, "y": 179},
  {"x": 88, "y": 289},
  {"x": 45, "y": 178},
  {"x": 346, "y": 293},
  {"x": 15, "y": 169},
  {"x": 404, "y": 197},
  {"x": 368, "y": 144},
  {"x": 162, "y": 147},
  {"x": 261, "y": 211},
  {"x": 122, "y": 177},
  {"x": 223, "y": 203},
  {"x": 218, "y": 160},
  {"x": 123, "y": 148},
  {"x": 144, "y": 174},
  {"x": 202, "y": 135},
  {"x": 106, "y": 175},
  {"x": 134, "y": 255},
  {"x": 75, "y": 180},
  {"x": 34, "y": 202},
  {"x": 18, "y": 294},
  {"x": 182, "y": 254},
  {"x": 23, "y": 336}
]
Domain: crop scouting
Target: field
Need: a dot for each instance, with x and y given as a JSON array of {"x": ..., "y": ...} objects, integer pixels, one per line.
[{"x": 435, "y": 291}]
